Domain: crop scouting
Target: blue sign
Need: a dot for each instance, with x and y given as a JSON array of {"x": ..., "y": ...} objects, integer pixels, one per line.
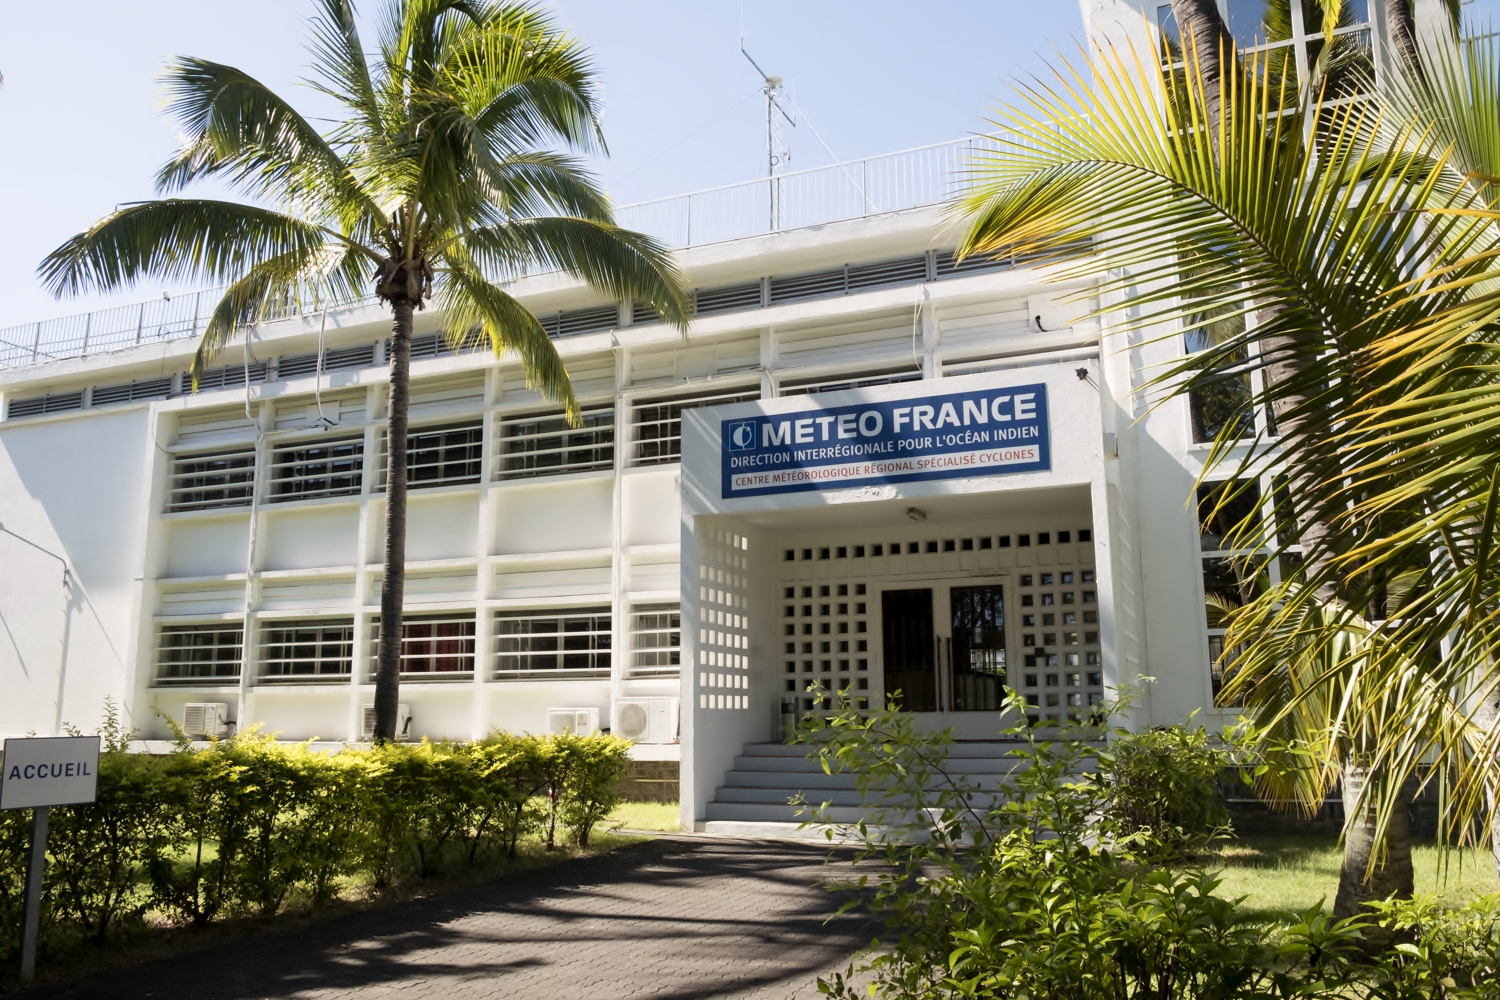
[{"x": 982, "y": 432}]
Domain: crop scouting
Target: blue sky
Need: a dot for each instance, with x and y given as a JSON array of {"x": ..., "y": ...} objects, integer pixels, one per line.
[{"x": 81, "y": 129}]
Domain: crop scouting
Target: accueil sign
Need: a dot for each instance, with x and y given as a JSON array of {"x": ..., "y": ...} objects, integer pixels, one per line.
[
  {"x": 943, "y": 436},
  {"x": 37, "y": 774}
]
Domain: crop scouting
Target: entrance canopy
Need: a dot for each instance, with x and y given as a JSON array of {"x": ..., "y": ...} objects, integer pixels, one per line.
[{"x": 941, "y": 540}]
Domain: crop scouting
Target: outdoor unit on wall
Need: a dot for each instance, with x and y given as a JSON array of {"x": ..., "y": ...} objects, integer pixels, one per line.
[
  {"x": 403, "y": 722},
  {"x": 572, "y": 720},
  {"x": 646, "y": 720},
  {"x": 210, "y": 718}
]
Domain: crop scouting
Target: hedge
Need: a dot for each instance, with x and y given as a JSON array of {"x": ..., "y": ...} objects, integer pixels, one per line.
[{"x": 249, "y": 826}]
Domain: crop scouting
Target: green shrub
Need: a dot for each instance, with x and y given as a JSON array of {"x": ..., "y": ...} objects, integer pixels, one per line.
[
  {"x": 1163, "y": 784},
  {"x": 597, "y": 763},
  {"x": 247, "y": 824},
  {"x": 100, "y": 852},
  {"x": 1059, "y": 886},
  {"x": 416, "y": 797}
]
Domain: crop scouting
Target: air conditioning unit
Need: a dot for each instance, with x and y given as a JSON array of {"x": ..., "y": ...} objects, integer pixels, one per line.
[
  {"x": 572, "y": 720},
  {"x": 403, "y": 722},
  {"x": 646, "y": 720},
  {"x": 210, "y": 718}
]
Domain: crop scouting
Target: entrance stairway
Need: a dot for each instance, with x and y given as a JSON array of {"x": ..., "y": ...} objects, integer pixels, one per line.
[{"x": 754, "y": 799}]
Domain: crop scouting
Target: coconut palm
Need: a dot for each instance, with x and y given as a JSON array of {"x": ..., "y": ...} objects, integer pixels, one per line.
[
  {"x": 453, "y": 167},
  {"x": 1307, "y": 215}
]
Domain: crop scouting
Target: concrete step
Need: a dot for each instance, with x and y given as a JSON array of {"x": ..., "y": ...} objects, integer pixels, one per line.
[
  {"x": 819, "y": 780},
  {"x": 767, "y": 812},
  {"x": 801, "y": 765},
  {"x": 833, "y": 796},
  {"x": 961, "y": 750},
  {"x": 762, "y": 830}
]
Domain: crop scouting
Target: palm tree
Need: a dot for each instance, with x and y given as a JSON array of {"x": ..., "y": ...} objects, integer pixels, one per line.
[
  {"x": 1239, "y": 196},
  {"x": 453, "y": 168}
]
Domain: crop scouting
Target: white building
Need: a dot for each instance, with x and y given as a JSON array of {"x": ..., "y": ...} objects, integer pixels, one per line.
[{"x": 749, "y": 507}]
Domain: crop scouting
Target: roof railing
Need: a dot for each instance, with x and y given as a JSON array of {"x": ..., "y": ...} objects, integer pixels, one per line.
[{"x": 875, "y": 185}]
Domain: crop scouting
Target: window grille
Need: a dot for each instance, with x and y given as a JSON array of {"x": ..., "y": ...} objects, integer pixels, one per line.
[
  {"x": 655, "y": 640},
  {"x": 431, "y": 645},
  {"x": 321, "y": 650},
  {"x": 544, "y": 445},
  {"x": 216, "y": 479},
  {"x": 317, "y": 468},
  {"x": 657, "y": 423},
  {"x": 576, "y": 642},
  {"x": 191, "y": 654},
  {"x": 439, "y": 456},
  {"x": 35, "y": 406}
]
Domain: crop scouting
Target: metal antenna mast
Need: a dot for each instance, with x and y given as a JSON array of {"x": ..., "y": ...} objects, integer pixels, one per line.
[{"x": 776, "y": 152}]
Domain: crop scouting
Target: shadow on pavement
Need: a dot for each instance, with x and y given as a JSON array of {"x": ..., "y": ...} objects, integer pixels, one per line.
[{"x": 676, "y": 918}]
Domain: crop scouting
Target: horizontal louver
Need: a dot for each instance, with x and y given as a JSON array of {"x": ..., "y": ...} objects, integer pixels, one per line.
[
  {"x": 948, "y": 267},
  {"x": 297, "y": 366},
  {"x": 38, "y": 405},
  {"x": 125, "y": 392},
  {"x": 577, "y": 321},
  {"x": 228, "y": 377},
  {"x": 794, "y": 287},
  {"x": 728, "y": 298},
  {"x": 902, "y": 271},
  {"x": 643, "y": 315},
  {"x": 434, "y": 345},
  {"x": 340, "y": 358}
]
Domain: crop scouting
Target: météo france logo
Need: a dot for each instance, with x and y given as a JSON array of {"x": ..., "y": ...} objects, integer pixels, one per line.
[{"x": 740, "y": 435}]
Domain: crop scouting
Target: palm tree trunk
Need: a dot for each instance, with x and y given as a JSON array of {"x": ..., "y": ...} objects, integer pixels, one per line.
[
  {"x": 1403, "y": 32},
  {"x": 1486, "y": 720},
  {"x": 393, "y": 581},
  {"x": 1205, "y": 44},
  {"x": 1392, "y": 874}
]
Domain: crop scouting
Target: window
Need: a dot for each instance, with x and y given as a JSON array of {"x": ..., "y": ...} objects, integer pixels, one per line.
[
  {"x": 656, "y": 640},
  {"x": 431, "y": 646},
  {"x": 544, "y": 445},
  {"x": 317, "y": 468},
  {"x": 1222, "y": 400},
  {"x": 576, "y": 642},
  {"x": 192, "y": 654},
  {"x": 307, "y": 650},
  {"x": 218, "y": 479},
  {"x": 440, "y": 456},
  {"x": 1235, "y": 541},
  {"x": 658, "y": 423}
]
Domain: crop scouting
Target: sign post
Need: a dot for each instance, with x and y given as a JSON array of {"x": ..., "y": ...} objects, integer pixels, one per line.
[{"x": 38, "y": 774}]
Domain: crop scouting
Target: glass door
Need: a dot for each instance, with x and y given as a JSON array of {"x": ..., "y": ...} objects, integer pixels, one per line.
[
  {"x": 976, "y": 652},
  {"x": 910, "y": 648}
]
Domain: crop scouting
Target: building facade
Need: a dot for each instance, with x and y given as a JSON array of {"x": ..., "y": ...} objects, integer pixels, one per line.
[{"x": 865, "y": 466}]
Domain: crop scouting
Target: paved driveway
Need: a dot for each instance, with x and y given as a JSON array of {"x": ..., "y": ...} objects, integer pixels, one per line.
[{"x": 674, "y": 918}]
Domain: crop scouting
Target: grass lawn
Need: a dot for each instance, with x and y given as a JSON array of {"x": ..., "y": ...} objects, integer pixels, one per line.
[
  {"x": 662, "y": 816},
  {"x": 1295, "y": 872}
]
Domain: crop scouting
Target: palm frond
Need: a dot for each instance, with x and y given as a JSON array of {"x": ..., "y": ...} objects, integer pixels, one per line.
[
  {"x": 179, "y": 239},
  {"x": 320, "y": 276},
  {"x": 471, "y": 302},
  {"x": 628, "y": 266}
]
